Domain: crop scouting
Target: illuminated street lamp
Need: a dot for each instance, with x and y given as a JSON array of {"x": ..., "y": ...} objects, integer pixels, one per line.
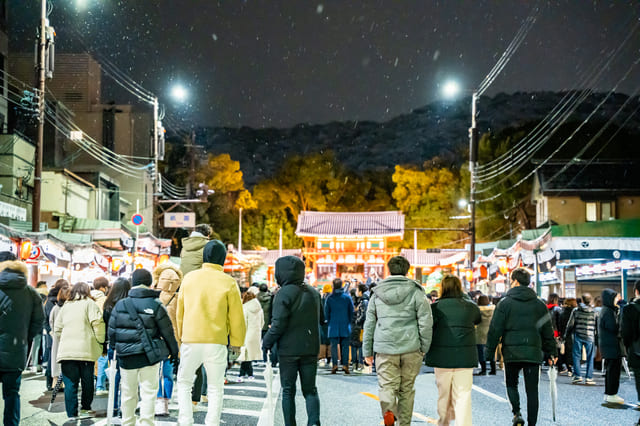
[
  {"x": 179, "y": 93},
  {"x": 451, "y": 89}
]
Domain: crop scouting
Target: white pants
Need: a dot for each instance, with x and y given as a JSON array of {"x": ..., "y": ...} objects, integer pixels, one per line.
[
  {"x": 214, "y": 358},
  {"x": 454, "y": 395},
  {"x": 147, "y": 378}
]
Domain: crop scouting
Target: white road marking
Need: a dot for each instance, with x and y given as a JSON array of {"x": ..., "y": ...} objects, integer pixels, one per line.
[
  {"x": 489, "y": 394},
  {"x": 236, "y": 411},
  {"x": 244, "y": 398},
  {"x": 245, "y": 387}
]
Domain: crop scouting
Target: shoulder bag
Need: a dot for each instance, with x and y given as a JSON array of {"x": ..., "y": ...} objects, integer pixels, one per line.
[{"x": 151, "y": 349}]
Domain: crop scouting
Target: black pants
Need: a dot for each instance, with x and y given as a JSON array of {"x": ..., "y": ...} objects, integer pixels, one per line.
[
  {"x": 531, "y": 374},
  {"x": 48, "y": 342},
  {"x": 612, "y": 375},
  {"x": 636, "y": 375},
  {"x": 73, "y": 373},
  {"x": 306, "y": 367},
  {"x": 246, "y": 369},
  {"x": 11, "y": 395}
]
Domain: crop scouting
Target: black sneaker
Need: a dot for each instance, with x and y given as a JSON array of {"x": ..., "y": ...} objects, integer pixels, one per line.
[{"x": 518, "y": 420}]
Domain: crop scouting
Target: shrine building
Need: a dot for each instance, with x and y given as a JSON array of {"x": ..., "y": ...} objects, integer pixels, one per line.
[{"x": 349, "y": 245}]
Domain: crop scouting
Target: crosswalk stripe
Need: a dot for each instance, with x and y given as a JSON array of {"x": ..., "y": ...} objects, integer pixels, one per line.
[
  {"x": 244, "y": 398},
  {"x": 239, "y": 412},
  {"x": 245, "y": 387}
]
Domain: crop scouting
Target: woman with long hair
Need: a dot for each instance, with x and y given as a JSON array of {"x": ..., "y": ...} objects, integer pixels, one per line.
[
  {"x": 52, "y": 300},
  {"x": 453, "y": 351},
  {"x": 80, "y": 328},
  {"x": 62, "y": 296},
  {"x": 119, "y": 290},
  {"x": 254, "y": 319}
]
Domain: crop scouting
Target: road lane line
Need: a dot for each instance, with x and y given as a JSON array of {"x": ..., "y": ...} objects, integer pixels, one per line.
[
  {"x": 417, "y": 415},
  {"x": 489, "y": 394}
]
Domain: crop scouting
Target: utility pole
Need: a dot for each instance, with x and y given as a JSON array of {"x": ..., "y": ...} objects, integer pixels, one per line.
[
  {"x": 37, "y": 176},
  {"x": 192, "y": 158},
  {"x": 473, "y": 162},
  {"x": 156, "y": 171}
]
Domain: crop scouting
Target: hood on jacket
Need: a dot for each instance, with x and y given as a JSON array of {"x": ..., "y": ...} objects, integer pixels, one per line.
[
  {"x": 13, "y": 274},
  {"x": 289, "y": 270},
  {"x": 97, "y": 294},
  {"x": 585, "y": 308},
  {"x": 194, "y": 243},
  {"x": 142, "y": 292},
  {"x": 252, "y": 306},
  {"x": 214, "y": 252},
  {"x": 338, "y": 291},
  {"x": 167, "y": 266},
  {"x": 522, "y": 293},
  {"x": 395, "y": 289},
  {"x": 264, "y": 296},
  {"x": 608, "y": 296}
]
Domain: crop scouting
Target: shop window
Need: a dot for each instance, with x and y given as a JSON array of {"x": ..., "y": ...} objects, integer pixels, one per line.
[{"x": 592, "y": 212}]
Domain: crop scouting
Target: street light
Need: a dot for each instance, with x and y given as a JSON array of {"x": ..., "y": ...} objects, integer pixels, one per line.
[
  {"x": 179, "y": 93},
  {"x": 450, "y": 89}
]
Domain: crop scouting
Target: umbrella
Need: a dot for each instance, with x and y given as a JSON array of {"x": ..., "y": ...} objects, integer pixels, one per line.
[
  {"x": 56, "y": 389},
  {"x": 268, "y": 378},
  {"x": 625, "y": 364},
  {"x": 112, "y": 388},
  {"x": 553, "y": 388}
]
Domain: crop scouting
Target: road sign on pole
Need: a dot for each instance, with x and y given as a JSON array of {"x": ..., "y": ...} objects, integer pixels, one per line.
[{"x": 137, "y": 219}]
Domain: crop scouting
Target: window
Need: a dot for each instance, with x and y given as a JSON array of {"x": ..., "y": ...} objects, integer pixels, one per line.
[
  {"x": 607, "y": 210},
  {"x": 592, "y": 212}
]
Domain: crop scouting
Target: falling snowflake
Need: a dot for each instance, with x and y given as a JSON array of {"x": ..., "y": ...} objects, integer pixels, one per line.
[
  {"x": 319, "y": 8},
  {"x": 214, "y": 36}
]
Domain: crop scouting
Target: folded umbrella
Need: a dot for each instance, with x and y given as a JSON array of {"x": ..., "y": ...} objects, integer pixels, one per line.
[
  {"x": 55, "y": 391},
  {"x": 553, "y": 388},
  {"x": 112, "y": 388}
]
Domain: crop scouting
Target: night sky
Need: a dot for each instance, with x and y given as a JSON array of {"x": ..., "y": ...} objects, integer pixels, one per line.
[{"x": 279, "y": 63}]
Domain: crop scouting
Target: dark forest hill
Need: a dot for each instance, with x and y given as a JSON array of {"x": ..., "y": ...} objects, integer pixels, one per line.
[{"x": 438, "y": 129}]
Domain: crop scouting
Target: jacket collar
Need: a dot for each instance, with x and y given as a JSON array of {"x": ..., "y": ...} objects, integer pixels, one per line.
[{"x": 213, "y": 266}]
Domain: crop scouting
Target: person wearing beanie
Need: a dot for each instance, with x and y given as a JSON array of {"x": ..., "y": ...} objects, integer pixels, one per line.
[
  {"x": 294, "y": 327},
  {"x": 21, "y": 319},
  {"x": 141, "y": 331},
  {"x": 209, "y": 317}
]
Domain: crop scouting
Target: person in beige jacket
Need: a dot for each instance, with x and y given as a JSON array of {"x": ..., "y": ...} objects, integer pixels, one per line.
[
  {"x": 80, "y": 328},
  {"x": 254, "y": 318},
  {"x": 482, "y": 329},
  {"x": 167, "y": 278}
]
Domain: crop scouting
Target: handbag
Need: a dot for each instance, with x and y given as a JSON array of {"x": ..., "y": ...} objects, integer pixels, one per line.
[{"x": 151, "y": 349}]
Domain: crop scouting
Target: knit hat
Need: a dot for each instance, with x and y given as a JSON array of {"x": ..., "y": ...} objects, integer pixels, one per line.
[
  {"x": 141, "y": 277},
  {"x": 327, "y": 288},
  {"x": 253, "y": 290}
]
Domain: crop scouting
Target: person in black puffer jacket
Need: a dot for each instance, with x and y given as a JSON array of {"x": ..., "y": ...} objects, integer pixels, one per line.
[
  {"x": 295, "y": 326},
  {"x": 522, "y": 323},
  {"x": 21, "y": 319},
  {"x": 132, "y": 348},
  {"x": 610, "y": 345}
]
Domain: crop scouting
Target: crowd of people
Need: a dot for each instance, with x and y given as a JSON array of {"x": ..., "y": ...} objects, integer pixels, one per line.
[{"x": 187, "y": 325}]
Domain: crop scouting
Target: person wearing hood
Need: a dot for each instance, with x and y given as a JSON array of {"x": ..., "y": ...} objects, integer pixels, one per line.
[
  {"x": 398, "y": 329},
  {"x": 582, "y": 327},
  {"x": 486, "y": 313},
  {"x": 192, "y": 247},
  {"x": 521, "y": 322},
  {"x": 80, "y": 328},
  {"x": 167, "y": 278},
  {"x": 630, "y": 332},
  {"x": 610, "y": 345},
  {"x": 295, "y": 324},
  {"x": 254, "y": 319},
  {"x": 209, "y": 317},
  {"x": 21, "y": 319},
  {"x": 141, "y": 332},
  {"x": 338, "y": 311},
  {"x": 453, "y": 352}
]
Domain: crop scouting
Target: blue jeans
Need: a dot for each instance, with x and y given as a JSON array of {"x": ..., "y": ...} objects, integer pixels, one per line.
[
  {"x": 578, "y": 343},
  {"x": 11, "y": 395},
  {"x": 306, "y": 367},
  {"x": 102, "y": 373},
  {"x": 344, "y": 350},
  {"x": 165, "y": 390}
]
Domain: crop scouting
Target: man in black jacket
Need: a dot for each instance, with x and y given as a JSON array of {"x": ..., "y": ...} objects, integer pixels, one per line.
[
  {"x": 139, "y": 358},
  {"x": 21, "y": 319},
  {"x": 630, "y": 331},
  {"x": 295, "y": 323},
  {"x": 522, "y": 324}
]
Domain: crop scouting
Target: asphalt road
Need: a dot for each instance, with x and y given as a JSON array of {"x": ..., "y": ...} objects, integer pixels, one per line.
[{"x": 351, "y": 400}]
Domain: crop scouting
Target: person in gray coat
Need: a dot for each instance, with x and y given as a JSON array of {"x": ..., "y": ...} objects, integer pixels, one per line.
[{"x": 398, "y": 330}]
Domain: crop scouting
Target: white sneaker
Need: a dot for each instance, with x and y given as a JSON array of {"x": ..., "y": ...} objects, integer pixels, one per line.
[
  {"x": 162, "y": 407},
  {"x": 613, "y": 399},
  {"x": 239, "y": 380}
]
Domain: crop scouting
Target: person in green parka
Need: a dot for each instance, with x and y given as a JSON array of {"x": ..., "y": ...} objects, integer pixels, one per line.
[
  {"x": 192, "y": 246},
  {"x": 453, "y": 351}
]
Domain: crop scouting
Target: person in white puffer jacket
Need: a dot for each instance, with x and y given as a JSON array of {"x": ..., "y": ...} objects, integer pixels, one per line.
[{"x": 254, "y": 319}]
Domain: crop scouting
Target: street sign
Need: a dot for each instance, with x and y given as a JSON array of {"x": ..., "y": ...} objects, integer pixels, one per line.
[
  {"x": 137, "y": 219},
  {"x": 180, "y": 220}
]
